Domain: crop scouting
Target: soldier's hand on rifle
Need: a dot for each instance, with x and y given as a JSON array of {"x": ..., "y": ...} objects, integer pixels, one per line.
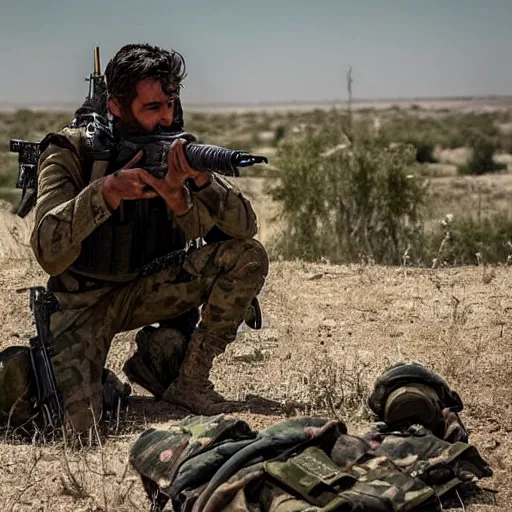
[
  {"x": 130, "y": 182},
  {"x": 171, "y": 187},
  {"x": 178, "y": 168}
]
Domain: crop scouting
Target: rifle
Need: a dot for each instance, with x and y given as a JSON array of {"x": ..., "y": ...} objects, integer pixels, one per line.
[
  {"x": 101, "y": 144},
  {"x": 96, "y": 99},
  {"x": 47, "y": 397},
  {"x": 201, "y": 157}
]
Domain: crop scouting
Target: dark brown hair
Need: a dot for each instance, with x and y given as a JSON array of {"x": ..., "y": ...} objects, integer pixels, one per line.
[{"x": 136, "y": 62}]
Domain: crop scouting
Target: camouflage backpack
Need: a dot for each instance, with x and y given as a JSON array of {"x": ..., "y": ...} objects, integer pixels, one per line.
[
  {"x": 15, "y": 407},
  {"x": 17, "y": 389}
]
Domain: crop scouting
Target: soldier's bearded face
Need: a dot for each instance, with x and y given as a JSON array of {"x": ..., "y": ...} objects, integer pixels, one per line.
[{"x": 151, "y": 108}]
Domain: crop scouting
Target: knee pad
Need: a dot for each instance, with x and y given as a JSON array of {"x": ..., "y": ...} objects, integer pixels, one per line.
[{"x": 244, "y": 257}]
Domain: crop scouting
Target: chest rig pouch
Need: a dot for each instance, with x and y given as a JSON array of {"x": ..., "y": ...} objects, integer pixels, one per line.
[{"x": 136, "y": 234}]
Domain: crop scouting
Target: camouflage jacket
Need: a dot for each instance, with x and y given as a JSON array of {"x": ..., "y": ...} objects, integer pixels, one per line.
[
  {"x": 218, "y": 464},
  {"x": 70, "y": 206}
]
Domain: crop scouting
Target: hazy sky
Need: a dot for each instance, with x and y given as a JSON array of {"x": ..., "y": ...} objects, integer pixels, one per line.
[{"x": 264, "y": 50}]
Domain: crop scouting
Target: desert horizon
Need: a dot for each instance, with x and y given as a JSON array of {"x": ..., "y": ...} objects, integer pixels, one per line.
[{"x": 449, "y": 102}]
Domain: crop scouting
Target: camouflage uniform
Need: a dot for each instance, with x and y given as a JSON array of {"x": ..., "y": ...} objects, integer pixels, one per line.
[
  {"x": 218, "y": 464},
  {"x": 225, "y": 275},
  {"x": 298, "y": 465}
]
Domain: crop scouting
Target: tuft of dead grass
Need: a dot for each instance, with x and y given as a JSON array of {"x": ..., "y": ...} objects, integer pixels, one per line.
[{"x": 14, "y": 234}]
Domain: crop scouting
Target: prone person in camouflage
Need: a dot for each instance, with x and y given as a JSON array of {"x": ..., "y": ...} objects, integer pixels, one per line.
[
  {"x": 98, "y": 227},
  {"x": 415, "y": 456}
]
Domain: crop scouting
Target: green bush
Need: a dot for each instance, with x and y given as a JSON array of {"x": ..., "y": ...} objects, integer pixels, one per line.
[
  {"x": 424, "y": 149},
  {"x": 279, "y": 134},
  {"x": 364, "y": 201},
  {"x": 347, "y": 202},
  {"x": 8, "y": 169},
  {"x": 30, "y": 125},
  {"x": 481, "y": 160},
  {"x": 471, "y": 239},
  {"x": 446, "y": 130}
]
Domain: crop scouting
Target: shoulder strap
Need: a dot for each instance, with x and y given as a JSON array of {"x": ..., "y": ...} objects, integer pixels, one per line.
[
  {"x": 97, "y": 169},
  {"x": 72, "y": 140}
]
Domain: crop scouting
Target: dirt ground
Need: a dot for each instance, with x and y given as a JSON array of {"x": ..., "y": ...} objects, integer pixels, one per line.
[{"x": 328, "y": 332}]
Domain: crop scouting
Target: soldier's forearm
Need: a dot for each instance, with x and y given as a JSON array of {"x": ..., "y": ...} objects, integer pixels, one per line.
[
  {"x": 222, "y": 205},
  {"x": 177, "y": 201}
]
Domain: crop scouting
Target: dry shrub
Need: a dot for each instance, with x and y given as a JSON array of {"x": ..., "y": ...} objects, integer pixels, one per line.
[{"x": 349, "y": 201}]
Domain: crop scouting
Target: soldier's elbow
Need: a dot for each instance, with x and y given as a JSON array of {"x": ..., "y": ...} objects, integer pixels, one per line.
[
  {"x": 53, "y": 260},
  {"x": 53, "y": 265},
  {"x": 246, "y": 232}
]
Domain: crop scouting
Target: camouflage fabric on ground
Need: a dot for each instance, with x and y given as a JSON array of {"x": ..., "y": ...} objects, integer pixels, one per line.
[
  {"x": 438, "y": 463},
  {"x": 219, "y": 464},
  {"x": 208, "y": 451},
  {"x": 161, "y": 455}
]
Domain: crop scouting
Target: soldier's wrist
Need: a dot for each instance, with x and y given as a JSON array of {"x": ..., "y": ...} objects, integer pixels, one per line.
[
  {"x": 203, "y": 180},
  {"x": 177, "y": 201},
  {"x": 111, "y": 198}
]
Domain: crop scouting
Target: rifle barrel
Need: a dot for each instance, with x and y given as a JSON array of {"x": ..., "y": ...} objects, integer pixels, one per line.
[{"x": 97, "y": 66}]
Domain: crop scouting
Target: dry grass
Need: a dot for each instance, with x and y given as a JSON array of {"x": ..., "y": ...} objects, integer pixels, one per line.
[
  {"x": 483, "y": 195},
  {"x": 14, "y": 234},
  {"x": 266, "y": 209},
  {"x": 329, "y": 330}
]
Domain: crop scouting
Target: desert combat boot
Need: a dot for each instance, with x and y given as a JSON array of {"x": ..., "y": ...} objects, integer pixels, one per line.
[
  {"x": 192, "y": 389},
  {"x": 157, "y": 360}
]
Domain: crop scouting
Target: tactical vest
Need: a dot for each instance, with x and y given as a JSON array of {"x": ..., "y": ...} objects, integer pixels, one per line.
[{"x": 137, "y": 233}]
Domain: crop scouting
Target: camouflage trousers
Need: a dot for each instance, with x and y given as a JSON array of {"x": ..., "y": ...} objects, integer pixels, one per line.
[{"x": 224, "y": 277}]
